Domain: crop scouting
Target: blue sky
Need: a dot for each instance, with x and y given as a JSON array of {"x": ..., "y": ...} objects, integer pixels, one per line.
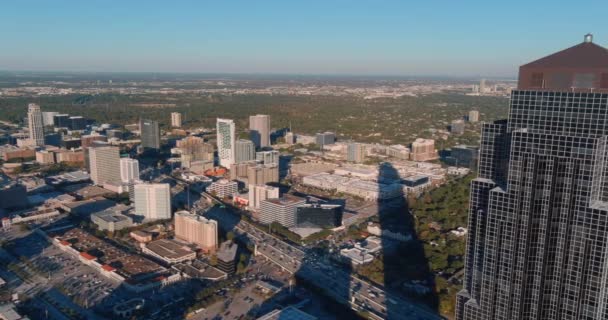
[{"x": 431, "y": 37}]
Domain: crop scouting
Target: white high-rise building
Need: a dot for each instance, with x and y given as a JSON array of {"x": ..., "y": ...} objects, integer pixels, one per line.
[
  {"x": 268, "y": 157},
  {"x": 36, "y": 126},
  {"x": 259, "y": 130},
  {"x": 259, "y": 193},
  {"x": 129, "y": 169},
  {"x": 176, "y": 119},
  {"x": 104, "y": 163},
  {"x": 245, "y": 151},
  {"x": 48, "y": 118},
  {"x": 226, "y": 142},
  {"x": 153, "y": 201}
]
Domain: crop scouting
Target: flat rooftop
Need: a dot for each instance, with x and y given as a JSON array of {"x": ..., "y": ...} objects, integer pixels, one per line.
[
  {"x": 285, "y": 200},
  {"x": 227, "y": 251},
  {"x": 169, "y": 249}
]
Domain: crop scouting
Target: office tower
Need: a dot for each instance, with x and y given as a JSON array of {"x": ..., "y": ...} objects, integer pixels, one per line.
[
  {"x": 423, "y": 150},
  {"x": 53, "y": 139},
  {"x": 538, "y": 217},
  {"x": 259, "y": 193},
  {"x": 196, "y": 229},
  {"x": 473, "y": 116},
  {"x": 48, "y": 118},
  {"x": 77, "y": 123},
  {"x": 129, "y": 169},
  {"x": 176, "y": 119},
  {"x": 61, "y": 121},
  {"x": 13, "y": 195},
  {"x": 355, "y": 152},
  {"x": 317, "y": 215},
  {"x": 150, "y": 134},
  {"x": 34, "y": 120},
  {"x": 223, "y": 188},
  {"x": 482, "y": 86},
  {"x": 457, "y": 126},
  {"x": 225, "y": 142},
  {"x": 290, "y": 138},
  {"x": 226, "y": 256},
  {"x": 104, "y": 163},
  {"x": 267, "y": 157},
  {"x": 464, "y": 156},
  {"x": 245, "y": 151},
  {"x": 262, "y": 174},
  {"x": 88, "y": 140},
  {"x": 259, "y": 130},
  {"x": 325, "y": 138},
  {"x": 281, "y": 210},
  {"x": 153, "y": 201}
]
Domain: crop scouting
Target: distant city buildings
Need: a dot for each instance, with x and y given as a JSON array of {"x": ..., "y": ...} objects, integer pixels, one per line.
[
  {"x": 192, "y": 150},
  {"x": 290, "y": 138},
  {"x": 325, "y": 138},
  {"x": 35, "y": 124},
  {"x": 196, "y": 229},
  {"x": 153, "y": 201},
  {"x": 355, "y": 152},
  {"x": 457, "y": 126},
  {"x": 473, "y": 116},
  {"x": 259, "y": 193},
  {"x": 245, "y": 151},
  {"x": 259, "y": 130},
  {"x": 226, "y": 142},
  {"x": 423, "y": 150},
  {"x": 267, "y": 157},
  {"x": 104, "y": 164},
  {"x": 281, "y": 210},
  {"x": 150, "y": 134},
  {"x": 176, "y": 119},
  {"x": 129, "y": 169},
  {"x": 223, "y": 188}
]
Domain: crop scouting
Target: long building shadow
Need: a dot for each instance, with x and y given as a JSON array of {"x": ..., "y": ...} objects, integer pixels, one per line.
[{"x": 406, "y": 268}]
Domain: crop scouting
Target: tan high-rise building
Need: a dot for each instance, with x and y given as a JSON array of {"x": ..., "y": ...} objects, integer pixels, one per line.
[
  {"x": 259, "y": 193},
  {"x": 473, "y": 116},
  {"x": 196, "y": 229},
  {"x": 194, "y": 149},
  {"x": 423, "y": 150},
  {"x": 259, "y": 130},
  {"x": 45, "y": 157},
  {"x": 263, "y": 174},
  {"x": 104, "y": 164},
  {"x": 176, "y": 119},
  {"x": 34, "y": 120}
]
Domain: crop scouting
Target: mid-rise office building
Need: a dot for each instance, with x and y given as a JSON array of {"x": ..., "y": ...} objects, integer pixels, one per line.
[
  {"x": 325, "y": 138},
  {"x": 45, "y": 157},
  {"x": 129, "y": 169},
  {"x": 473, "y": 116},
  {"x": 262, "y": 174},
  {"x": 398, "y": 151},
  {"x": 226, "y": 257},
  {"x": 423, "y": 150},
  {"x": 457, "y": 126},
  {"x": 77, "y": 123},
  {"x": 196, "y": 229},
  {"x": 87, "y": 140},
  {"x": 464, "y": 156},
  {"x": 153, "y": 201},
  {"x": 245, "y": 151},
  {"x": 223, "y": 188},
  {"x": 35, "y": 124},
  {"x": 48, "y": 118},
  {"x": 267, "y": 157},
  {"x": 226, "y": 142},
  {"x": 150, "y": 134},
  {"x": 61, "y": 120},
  {"x": 281, "y": 210},
  {"x": 355, "y": 152},
  {"x": 259, "y": 193},
  {"x": 259, "y": 130},
  {"x": 538, "y": 218},
  {"x": 104, "y": 164},
  {"x": 317, "y": 215},
  {"x": 176, "y": 119}
]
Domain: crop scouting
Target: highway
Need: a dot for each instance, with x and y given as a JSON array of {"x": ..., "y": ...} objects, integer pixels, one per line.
[{"x": 342, "y": 286}]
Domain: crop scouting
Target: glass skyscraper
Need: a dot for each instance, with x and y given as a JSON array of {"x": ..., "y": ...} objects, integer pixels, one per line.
[{"x": 538, "y": 220}]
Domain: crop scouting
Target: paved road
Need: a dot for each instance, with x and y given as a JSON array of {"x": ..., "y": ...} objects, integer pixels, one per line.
[{"x": 343, "y": 286}]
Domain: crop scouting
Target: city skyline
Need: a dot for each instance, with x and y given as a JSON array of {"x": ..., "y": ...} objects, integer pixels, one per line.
[{"x": 388, "y": 38}]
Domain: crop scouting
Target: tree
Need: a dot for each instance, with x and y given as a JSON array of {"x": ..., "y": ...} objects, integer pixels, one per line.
[
  {"x": 230, "y": 235},
  {"x": 213, "y": 260}
]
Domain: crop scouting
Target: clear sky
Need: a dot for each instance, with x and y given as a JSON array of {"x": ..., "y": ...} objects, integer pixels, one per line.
[{"x": 371, "y": 37}]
